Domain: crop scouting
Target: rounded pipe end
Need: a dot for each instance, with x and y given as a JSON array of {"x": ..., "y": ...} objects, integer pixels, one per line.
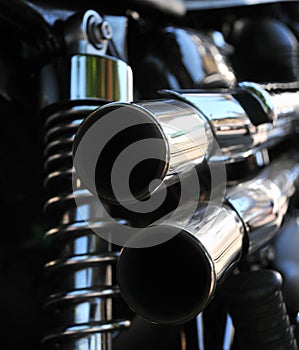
[
  {"x": 127, "y": 133},
  {"x": 168, "y": 283}
]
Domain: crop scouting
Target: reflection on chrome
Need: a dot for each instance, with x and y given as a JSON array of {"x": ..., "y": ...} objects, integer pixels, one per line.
[
  {"x": 245, "y": 121},
  {"x": 237, "y": 133},
  {"x": 193, "y": 261},
  {"x": 208, "y": 246},
  {"x": 180, "y": 138},
  {"x": 262, "y": 202}
]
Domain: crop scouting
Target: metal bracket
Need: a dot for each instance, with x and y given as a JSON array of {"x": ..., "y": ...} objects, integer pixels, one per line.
[{"x": 87, "y": 34}]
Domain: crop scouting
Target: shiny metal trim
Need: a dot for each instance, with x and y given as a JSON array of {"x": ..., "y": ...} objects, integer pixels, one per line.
[
  {"x": 213, "y": 4},
  {"x": 100, "y": 77}
]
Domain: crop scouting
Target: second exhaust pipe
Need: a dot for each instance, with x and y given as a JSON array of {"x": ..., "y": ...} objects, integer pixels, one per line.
[{"x": 172, "y": 282}]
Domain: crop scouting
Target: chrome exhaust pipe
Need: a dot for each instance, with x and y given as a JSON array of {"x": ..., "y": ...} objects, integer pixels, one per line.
[
  {"x": 140, "y": 146},
  {"x": 168, "y": 137},
  {"x": 172, "y": 282}
]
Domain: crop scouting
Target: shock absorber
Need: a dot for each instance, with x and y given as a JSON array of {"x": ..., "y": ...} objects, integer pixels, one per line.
[
  {"x": 84, "y": 305},
  {"x": 258, "y": 311}
]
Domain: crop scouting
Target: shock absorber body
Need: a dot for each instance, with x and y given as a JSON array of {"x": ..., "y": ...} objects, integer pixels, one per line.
[{"x": 81, "y": 277}]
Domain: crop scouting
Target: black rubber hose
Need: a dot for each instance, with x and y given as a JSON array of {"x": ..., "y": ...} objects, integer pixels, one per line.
[{"x": 258, "y": 311}]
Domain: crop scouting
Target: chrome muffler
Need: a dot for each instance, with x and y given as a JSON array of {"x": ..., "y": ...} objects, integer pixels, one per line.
[
  {"x": 159, "y": 140},
  {"x": 172, "y": 282},
  {"x": 140, "y": 146},
  {"x": 125, "y": 152}
]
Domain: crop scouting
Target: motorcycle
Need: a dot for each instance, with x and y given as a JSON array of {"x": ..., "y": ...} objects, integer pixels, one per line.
[{"x": 150, "y": 154}]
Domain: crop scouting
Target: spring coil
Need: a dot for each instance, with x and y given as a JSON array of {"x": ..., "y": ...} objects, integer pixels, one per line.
[
  {"x": 84, "y": 298},
  {"x": 256, "y": 305}
]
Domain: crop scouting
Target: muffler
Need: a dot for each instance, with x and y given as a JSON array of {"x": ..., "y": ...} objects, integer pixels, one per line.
[
  {"x": 172, "y": 282},
  {"x": 134, "y": 144},
  {"x": 125, "y": 152}
]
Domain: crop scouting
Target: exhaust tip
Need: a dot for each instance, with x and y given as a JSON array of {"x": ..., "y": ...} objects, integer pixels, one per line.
[
  {"x": 168, "y": 283},
  {"x": 127, "y": 125}
]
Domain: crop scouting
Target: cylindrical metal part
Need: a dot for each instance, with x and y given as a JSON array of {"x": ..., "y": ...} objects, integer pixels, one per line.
[
  {"x": 248, "y": 118},
  {"x": 175, "y": 133},
  {"x": 162, "y": 139},
  {"x": 263, "y": 202},
  {"x": 86, "y": 77},
  {"x": 172, "y": 282}
]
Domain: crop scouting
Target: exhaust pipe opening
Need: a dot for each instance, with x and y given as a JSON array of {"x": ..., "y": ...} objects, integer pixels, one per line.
[
  {"x": 144, "y": 171},
  {"x": 168, "y": 283}
]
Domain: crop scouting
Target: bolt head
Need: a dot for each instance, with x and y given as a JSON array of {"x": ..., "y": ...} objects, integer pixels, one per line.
[{"x": 106, "y": 30}]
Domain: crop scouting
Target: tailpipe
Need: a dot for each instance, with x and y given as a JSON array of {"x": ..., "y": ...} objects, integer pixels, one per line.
[
  {"x": 137, "y": 147},
  {"x": 127, "y": 151},
  {"x": 158, "y": 282},
  {"x": 172, "y": 282}
]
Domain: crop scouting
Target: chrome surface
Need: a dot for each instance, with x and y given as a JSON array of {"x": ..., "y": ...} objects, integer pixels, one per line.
[
  {"x": 198, "y": 58},
  {"x": 94, "y": 77},
  {"x": 81, "y": 277},
  {"x": 265, "y": 101},
  {"x": 186, "y": 127},
  {"x": 262, "y": 202},
  {"x": 184, "y": 134},
  {"x": 183, "y": 129},
  {"x": 235, "y": 133},
  {"x": 284, "y": 97},
  {"x": 213, "y": 4},
  {"x": 232, "y": 127},
  {"x": 211, "y": 242}
]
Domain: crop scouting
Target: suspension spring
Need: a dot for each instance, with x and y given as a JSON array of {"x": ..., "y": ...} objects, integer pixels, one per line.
[
  {"x": 256, "y": 305},
  {"x": 84, "y": 302}
]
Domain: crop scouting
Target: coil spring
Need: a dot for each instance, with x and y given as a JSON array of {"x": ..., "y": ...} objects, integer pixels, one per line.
[
  {"x": 256, "y": 305},
  {"x": 84, "y": 299}
]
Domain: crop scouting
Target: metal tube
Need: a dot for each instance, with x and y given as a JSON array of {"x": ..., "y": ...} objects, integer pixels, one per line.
[
  {"x": 263, "y": 202},
  {"x": 163, "y": 139},
  {"x": 167, "y": 138},
  {"x": 172, "y": 282}
]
